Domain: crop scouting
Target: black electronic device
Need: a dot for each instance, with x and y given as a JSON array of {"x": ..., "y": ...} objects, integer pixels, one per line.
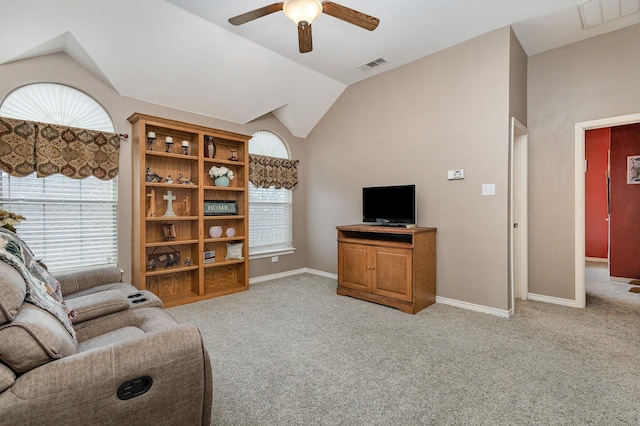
[{"x": 389, "y": 205}]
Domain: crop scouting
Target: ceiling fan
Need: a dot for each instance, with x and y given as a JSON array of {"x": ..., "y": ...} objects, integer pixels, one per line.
[{"x": 303, "y": 12}]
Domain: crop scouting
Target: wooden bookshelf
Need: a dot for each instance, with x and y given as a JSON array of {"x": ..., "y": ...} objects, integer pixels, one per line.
[{"x": 157, "y": 238}]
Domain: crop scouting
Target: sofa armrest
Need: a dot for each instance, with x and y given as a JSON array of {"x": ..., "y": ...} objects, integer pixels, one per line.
[
  {"x": 83, "y": 387},
  {"x": 97, "y": 305},
  {"x": 73, "y": 282}
]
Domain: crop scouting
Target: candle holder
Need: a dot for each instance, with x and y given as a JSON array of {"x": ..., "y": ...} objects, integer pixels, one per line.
[
  {"x": 169, "y": 143},
  {"x": 151, "y": 141},
  {"x": 185, "y": 147},
  {"x": 233, "y": 157}
]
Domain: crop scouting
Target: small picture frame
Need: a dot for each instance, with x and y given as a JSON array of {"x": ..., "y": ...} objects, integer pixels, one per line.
[
  {"x": 168, "y": 231},
  {"x": 633, "y": 169}
]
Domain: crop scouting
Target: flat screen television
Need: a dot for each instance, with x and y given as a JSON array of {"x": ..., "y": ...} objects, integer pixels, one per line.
[{"x": 389, "y": 205}]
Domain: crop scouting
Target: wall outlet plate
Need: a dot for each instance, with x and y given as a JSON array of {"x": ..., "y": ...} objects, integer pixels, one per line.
[{"x": 488, "y": 189}]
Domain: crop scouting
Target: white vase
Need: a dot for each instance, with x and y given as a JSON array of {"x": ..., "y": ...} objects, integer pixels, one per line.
[{"x": 215, "y": 231}]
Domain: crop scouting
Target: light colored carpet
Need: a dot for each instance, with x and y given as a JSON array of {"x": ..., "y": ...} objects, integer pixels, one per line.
[
  {"x": 292, "y": 352},
  {"x": 597, "y": 283}
]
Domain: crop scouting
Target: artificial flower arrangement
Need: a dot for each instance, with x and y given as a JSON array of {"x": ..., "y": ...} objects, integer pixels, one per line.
[
  {"x": 216, "y": 172},
  {"x": 10, "y": 220}
]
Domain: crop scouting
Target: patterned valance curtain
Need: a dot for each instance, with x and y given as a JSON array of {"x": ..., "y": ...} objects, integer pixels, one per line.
[
  {"x": 27, "y": 146},
  {"x": 266, "y": 172},
  {"x": 17, "y": 146}
]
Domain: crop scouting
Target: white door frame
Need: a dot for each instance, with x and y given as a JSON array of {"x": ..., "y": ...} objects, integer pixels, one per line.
[
  {"x": 518, "y": 212},
  {"x": 579, "y": 247}
]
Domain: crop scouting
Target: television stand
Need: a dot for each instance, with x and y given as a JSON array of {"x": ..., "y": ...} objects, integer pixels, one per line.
[{"x": 389, "y": 265}]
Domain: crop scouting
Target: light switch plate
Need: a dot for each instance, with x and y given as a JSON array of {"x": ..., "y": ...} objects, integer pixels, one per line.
[{"x": 455, "y": 174}]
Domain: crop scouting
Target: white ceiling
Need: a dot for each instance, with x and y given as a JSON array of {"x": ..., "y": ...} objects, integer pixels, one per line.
[{"x": 184, "y": 54}]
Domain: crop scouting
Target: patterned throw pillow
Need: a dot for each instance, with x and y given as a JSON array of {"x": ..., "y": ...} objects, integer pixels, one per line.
[
  {"x": 234, "y": 251},
  {"x": 43, "y": 290}
]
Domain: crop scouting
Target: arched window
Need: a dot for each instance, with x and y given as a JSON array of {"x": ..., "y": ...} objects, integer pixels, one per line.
[
  {"x": 270, "y": 209},
  {"x": 70, "y": 222}
]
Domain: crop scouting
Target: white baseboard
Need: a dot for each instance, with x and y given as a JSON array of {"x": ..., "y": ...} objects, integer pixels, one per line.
[
  {"x": 551, "y": 299},
  {"x": 290, "y": 274},
  {"x": 473, "y": 307},
  {"x": 443, "y": 300},
  {"x": 321, "y": 273},
  {"x": 597, "y": 259}
]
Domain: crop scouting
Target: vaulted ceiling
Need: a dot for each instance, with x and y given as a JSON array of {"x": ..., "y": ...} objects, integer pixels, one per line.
[{"x": 186, "y": 55}]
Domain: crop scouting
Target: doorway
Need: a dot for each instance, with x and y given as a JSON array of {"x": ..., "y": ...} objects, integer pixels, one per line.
[
  {"x": 518, "y": 214},
  {"x": 579, "y": 194}
]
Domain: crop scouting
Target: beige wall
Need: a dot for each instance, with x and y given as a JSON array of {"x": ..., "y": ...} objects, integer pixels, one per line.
[
  {"x": 60, "y": 68},
  {"x": 593, "y": 79},
  {"x": 518, "y": 81},
  {"x": 410, "y": 125}
]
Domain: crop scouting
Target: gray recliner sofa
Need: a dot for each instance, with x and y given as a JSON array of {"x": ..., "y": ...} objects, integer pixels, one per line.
[{"x": 129, "y": 362}]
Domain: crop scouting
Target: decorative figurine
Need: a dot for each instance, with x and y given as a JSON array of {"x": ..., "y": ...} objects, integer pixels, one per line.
[
  {"x": 187, "y": 206},
  {"x": 151, "y": 141},
  {"x": 151, "y": 209},
  {"x": 173, "y": 260},
  {"x": 233, "y": 157},
  {"x": 151, "y": 265},
  {"x": 183, "y": 180},
  {"x": 185, "y": 147},
  {"x": 169, "y": 143},
  {"x": 169, "y": 179},
  {"x": 169, "y": 198},
  {"x": 211, "y": 147},
  {"x": 188, "y": 261},
  {"x": 152, "y": 177}
]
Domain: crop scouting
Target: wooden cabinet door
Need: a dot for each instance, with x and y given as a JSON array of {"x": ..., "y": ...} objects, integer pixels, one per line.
[
  {"x": 392, "y": 276},
  {"x": 354, "y": 266}
]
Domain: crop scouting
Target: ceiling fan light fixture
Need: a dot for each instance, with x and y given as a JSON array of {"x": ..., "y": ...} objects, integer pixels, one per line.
[{"x": 300, "y": 11}]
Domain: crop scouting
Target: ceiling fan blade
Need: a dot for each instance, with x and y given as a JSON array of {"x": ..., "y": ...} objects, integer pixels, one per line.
[
  {"x": 349, "y": 15},
  {"x": 255, "y": 14},
  {"x": 304, "y": 38}
]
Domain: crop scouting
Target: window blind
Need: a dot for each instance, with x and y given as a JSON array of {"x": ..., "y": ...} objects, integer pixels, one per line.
[
  {"x": 70, "y": 223},
  {"x": 269, "y": 219}
]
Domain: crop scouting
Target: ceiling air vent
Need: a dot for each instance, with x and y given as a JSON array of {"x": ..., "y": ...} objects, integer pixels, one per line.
[
  {"x": 596, "y": 12},
  {"x": 372, "y": 64}
]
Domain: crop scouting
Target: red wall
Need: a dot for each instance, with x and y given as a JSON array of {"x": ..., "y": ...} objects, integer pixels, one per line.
[
  {"x": 625, "y": 204},
  {"x": 596, "y": 225}
]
